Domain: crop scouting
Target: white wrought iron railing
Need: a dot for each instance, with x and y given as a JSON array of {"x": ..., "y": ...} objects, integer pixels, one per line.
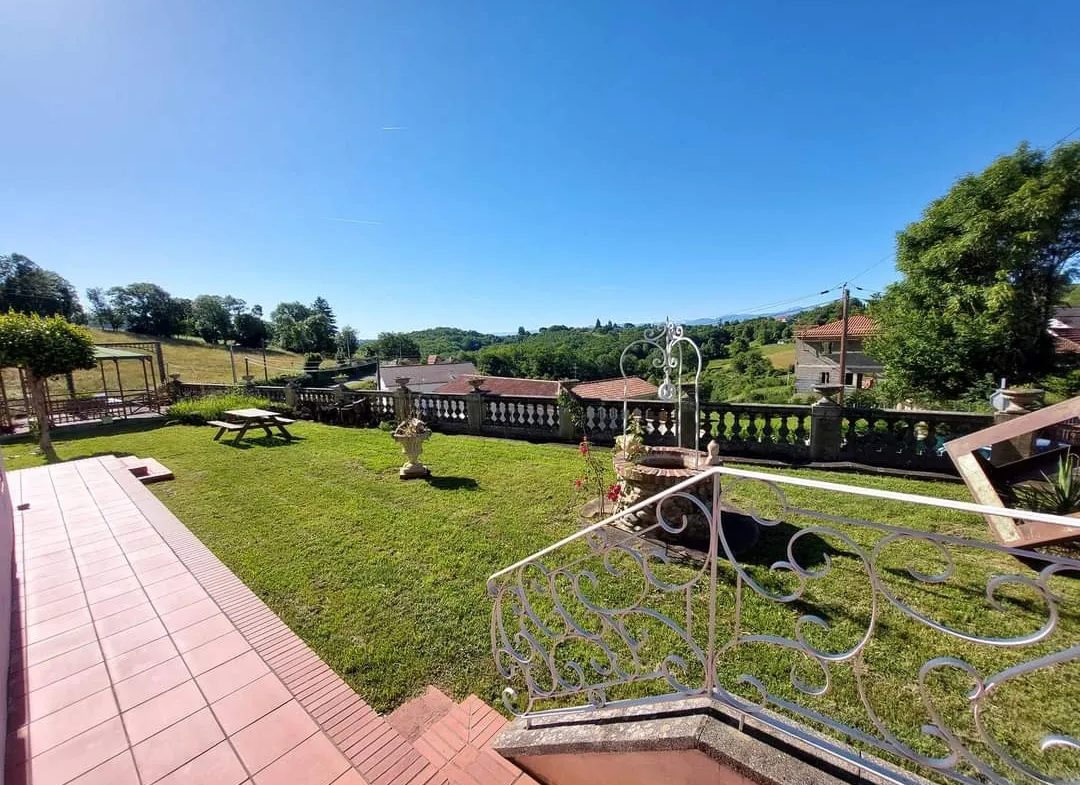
[{"x": 924, "y": 645}]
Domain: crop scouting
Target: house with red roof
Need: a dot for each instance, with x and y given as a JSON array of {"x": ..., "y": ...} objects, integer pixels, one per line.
[
  {"x": 605, "y": 389},
  {"x": 817, "y": 355}
]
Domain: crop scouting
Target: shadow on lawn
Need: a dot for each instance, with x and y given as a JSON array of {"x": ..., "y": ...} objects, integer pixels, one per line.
[
  {"x": 261, "y": 441},
  {"x": 453, "y": 483}
]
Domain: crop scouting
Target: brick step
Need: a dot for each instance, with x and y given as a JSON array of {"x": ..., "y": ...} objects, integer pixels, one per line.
[
  {"x": 412, "y": 719},
  {"x": 458, "y": 745}
]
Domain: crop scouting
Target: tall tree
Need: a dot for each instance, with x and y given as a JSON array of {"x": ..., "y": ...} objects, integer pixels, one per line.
[
  {"x": 27, "y": 288},
  {"x": 393, "y": 346},
  {"x": 43, "y": 347},
  {"x": 288, "y": 326},
  {"x": 347, "y": 342},
  {"x": 210, "y": 318},
  {"x": 102, "y": 311},
  {"x": 147, "y": 308},
  {"x": 983, "y": 271},
  {"x": 250, "y": 331}
]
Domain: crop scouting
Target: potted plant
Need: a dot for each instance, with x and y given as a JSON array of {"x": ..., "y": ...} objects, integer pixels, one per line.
[
  {"x": 1057, "y": 494},
  {"x": 411, "y": 434}
]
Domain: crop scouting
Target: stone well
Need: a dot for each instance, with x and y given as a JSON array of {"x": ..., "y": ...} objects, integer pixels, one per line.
[{"x": 659, "y": 468}]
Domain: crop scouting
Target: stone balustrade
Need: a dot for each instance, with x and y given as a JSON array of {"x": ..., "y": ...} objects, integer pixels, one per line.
[{"x": 821, "y": 433}]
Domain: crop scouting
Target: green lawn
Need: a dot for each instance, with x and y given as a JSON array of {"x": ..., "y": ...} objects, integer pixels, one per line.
[{"x": 386, "y": 579}]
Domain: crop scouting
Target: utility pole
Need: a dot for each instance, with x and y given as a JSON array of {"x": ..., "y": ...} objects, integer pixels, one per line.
[
  {"x": 232, "y": 363},
  {"x": 843, "y": 345}
]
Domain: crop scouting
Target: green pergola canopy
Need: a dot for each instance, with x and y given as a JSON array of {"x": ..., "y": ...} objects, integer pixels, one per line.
[{"x": 112, "y": 353}]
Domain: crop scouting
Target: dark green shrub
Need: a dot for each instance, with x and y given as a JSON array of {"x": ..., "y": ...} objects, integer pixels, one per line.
[{"x": 198, "y": 411}]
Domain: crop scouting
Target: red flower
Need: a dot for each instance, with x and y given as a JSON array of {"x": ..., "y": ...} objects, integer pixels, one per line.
[
  {"x": 614, "y": 492},
  {"x": 584, "y": 447},
  {"x": 577, "y": 483}
]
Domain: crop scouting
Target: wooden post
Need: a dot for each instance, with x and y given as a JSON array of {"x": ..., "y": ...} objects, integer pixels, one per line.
[
  {"x": 266, "y": 371},
  {"x": 7, "y": 409},
  {"x": 120, "y": 384},
  {"x": 843, "y": 346},
  {"x": 232, "y": 364},
  {"x": 160, "y": 361}
]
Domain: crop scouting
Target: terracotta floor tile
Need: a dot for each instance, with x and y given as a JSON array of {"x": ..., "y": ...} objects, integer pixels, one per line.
[
  {"x": 241, "y": 708},
  {"x": 181, "y": 582},
  {"x": 179, "y": 599},
  {"x": 217, "y": 766},
  {"x": 59, "y": 644},
  {"x": 275, "y": 734},
  {"x": 158, "y": 713},
  {"x": 150, "y": 683},
  {"x": 78, "y": 755},
  {"x": 185, "y": 617},
  {"x": 122, "y": 602},
  {"x": 231, "y": 676},
  {"x": 176, "y": 745},
  {"x": 61, "y": 666},
  {"x": 114, "y": 589},
  {"x": 64, "y": 692},
  {"x": 103, "y": 579},
  {"x": 137, "y": 660},
  {"x": 101, "y": 562},
  {"x": 41, "y": 613},
  {"x": 202, "y": 632},
  {"x": 46, "y": 596},
  {"x": 215, "y": 652},
  {"x": 132, "y": 638},
  {"x": 150, "y": 577},
  {"x": 115, "y": 771},
  {"x": 57, "y": 625},
  {"x": 315, "y": 762},
  {"x": 124, "y": 620},
  {"x": 351, "y": 777},
  {"x": 58, "y": 727}
]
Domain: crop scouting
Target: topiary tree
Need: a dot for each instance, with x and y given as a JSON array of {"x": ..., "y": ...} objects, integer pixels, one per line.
[{"x": 43, "y": 347}]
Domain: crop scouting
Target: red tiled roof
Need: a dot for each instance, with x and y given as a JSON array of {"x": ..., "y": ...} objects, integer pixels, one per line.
[
  {"x": 502, "y": 385},
  {"x": 859, "y": 326},
  {"x": 613, "y": 388},
  {"x": 1066, "y": 341}
]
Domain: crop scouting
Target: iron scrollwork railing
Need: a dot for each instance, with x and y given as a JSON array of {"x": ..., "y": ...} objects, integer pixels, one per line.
[{"x": 954, "y": 654}]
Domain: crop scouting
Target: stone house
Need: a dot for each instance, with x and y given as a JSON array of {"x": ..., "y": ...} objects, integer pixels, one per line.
[
  {"x": 817, "y": 355},
  {"x": 423, "y": 378}
]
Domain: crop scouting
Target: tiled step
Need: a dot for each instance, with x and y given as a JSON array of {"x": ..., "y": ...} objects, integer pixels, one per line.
[
  {"x": 458, "y": 744},
  {"x": 147, "y": 469},
  {"x": 412, "y": 719}
]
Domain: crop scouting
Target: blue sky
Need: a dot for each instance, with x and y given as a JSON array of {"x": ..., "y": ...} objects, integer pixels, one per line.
[{"x": 507, "y": 162}]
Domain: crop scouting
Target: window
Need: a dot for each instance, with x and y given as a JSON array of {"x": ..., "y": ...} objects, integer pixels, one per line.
[
  {"x": 824, "y": 377},
  {"x": 849, "y": 379},
  {"x": 828, "y": 347}
]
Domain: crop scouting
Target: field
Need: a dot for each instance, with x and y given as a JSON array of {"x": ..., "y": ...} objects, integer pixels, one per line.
[
  {"x": 192, "y": 358},
  {"x": 781, "y": 355},
  {"x": 386, "y": 580}
]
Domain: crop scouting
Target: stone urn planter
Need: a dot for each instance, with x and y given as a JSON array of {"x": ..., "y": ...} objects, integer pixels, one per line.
[
  {"x": 411, "y": 435},
  {"x": 1022, "y": 399}
]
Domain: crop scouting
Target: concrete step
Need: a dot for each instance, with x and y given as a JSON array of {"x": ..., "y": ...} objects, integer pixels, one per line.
[{"x": 147, "y": 470}]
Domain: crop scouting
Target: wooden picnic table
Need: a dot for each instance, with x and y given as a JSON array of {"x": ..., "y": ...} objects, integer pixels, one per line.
[{"x": 241, "y": 420}]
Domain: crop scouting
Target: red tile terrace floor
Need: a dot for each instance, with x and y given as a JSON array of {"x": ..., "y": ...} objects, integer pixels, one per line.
[{"x": 139, "y": 658}]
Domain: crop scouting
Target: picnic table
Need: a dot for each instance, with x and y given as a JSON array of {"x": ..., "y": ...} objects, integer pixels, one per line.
[{"x": 241, "y": 420}]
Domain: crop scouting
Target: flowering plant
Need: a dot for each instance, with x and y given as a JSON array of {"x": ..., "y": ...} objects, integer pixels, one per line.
[{"x": 594, "y": 477}]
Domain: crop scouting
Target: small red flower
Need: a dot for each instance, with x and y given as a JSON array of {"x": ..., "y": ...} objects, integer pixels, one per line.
[
  {"x": 577, "y": 483},
  {"x": 614, "y": 492},
  {"x": 584, "y": 447}
]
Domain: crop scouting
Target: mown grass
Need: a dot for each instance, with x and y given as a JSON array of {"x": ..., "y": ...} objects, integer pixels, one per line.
[
  {"x": 386, "y": 579},
  {"x": 199, "y": 411}
]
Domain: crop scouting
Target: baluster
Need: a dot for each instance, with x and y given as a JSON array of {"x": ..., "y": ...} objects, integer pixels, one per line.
[
  {"x": 767, "y": 429},
  {"x": 751, "y": 427},
  {"x": 784, "y": 432},
  {"x": 801, "y": 432}
]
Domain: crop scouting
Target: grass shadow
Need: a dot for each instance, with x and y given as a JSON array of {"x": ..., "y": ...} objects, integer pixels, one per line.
[
  {"x": 261, "y": 441},
  {"x": 453, "y": 483}
]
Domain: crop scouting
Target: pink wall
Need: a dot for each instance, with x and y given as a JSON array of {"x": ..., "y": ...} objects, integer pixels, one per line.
[
  {"x": 671, "y": 767},
  {"x": 7, "y": 544}
]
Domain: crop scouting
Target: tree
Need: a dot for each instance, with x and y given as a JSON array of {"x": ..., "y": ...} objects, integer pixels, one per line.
[
  {"x": 287, "y": 326},
  {"x": 393, "y": 346},
  {"x": 147, "y": 308},
  {"x": 43, "y": 347},
  {"x": 347, "y": 342},
  {"x": 26, "y": 288},
  {"x": 102, "y": 311},
  {"x": 210, "y": 318},
  {"x": 983, "y": 271},
  {"x": 250, "y": 331}
]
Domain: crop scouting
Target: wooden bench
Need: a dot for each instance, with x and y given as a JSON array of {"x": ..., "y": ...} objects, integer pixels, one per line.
[
  {"x": 224, "y": 426},
  {"x": 283, "y": 421}
]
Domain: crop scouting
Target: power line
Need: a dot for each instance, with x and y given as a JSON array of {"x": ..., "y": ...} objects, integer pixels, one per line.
[{"x": 1066, "y": 136}]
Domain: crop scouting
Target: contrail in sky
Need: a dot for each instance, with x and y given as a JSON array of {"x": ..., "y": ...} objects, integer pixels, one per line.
[
  {"x": 354, "y": 221},
  {"x": 394, "y": 127}
]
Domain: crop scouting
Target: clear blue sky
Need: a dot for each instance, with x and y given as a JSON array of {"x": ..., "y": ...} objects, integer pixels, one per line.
[{"x": 552, "y": 161}]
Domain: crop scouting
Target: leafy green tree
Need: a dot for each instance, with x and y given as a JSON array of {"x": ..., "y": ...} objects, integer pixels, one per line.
[
  {"x": 829, "y": 312},
  {"x": 210, "y": 318},
  {"x": 393, "y": 346},
  {"x": 43, "y": 347},
  {"x": 26, "y": 288},
  {"x": 148, "y": 309},
  {"x": 983, "y": 271},
  {"x": 102, "y": 311},
  {"x": 347, "y": 342},
  {"x": 250, "y": 331},
  {"x": 287, "y": 326}
]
